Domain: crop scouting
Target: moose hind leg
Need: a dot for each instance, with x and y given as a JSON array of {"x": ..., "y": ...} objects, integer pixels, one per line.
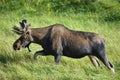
[
  {"x": 102, "y": 56},
  {"x": 94, "y": 61}
]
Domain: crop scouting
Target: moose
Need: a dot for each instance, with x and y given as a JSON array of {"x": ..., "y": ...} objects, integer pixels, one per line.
[{"x": 57, "y": 40}]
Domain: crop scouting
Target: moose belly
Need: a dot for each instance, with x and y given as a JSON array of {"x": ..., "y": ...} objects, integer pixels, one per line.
[{"x": 76, "y": 52}]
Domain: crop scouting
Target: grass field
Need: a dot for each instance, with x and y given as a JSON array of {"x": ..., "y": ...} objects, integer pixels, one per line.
[{"x": 19, "y": 65}]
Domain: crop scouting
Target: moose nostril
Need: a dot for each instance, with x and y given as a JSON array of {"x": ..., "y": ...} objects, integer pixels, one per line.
[
  {"x": 18, "y": 49},
  {"x": 15, "y": 47}
]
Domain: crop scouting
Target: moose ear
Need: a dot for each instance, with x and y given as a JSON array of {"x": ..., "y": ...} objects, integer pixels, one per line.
[
  {"x": 24, "y": 21},
  {"x": 20, "y": 23},
  {"x": 28, "y": 27},
  {"x": 28, "y": 32},
  {"x": 17, "y": 30}
]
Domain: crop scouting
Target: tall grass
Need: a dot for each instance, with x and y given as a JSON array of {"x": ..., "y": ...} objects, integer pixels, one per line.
[{"x": 20, "y": 65}]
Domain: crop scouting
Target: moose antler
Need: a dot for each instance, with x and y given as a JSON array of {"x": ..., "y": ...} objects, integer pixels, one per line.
[
  {"x": 17, "y": 30},
  {"x": 20, "y": 30}
]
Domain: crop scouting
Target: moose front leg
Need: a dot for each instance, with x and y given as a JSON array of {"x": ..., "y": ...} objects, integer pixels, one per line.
[
  {"x": 57, "y": 58},
  {"x": 38, "y": 53}
]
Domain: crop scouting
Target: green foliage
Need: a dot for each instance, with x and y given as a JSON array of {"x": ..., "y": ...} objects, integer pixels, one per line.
[
  {"x": 107, "y": 10},
  {"x": 113, "y": 15}
]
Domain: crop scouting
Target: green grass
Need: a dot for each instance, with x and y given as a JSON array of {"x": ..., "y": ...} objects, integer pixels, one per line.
[{"x": 19, "y": 65}]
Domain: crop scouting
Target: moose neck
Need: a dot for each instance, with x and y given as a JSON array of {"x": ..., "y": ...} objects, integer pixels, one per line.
[{"x": 40, "y": 35}]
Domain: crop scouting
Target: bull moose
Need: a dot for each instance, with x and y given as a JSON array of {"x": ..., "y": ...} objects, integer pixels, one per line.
[{"x": 58, "y": 40}]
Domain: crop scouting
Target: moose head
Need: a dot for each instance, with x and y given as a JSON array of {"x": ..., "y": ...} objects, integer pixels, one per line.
[{"x": 25, "y": 39}]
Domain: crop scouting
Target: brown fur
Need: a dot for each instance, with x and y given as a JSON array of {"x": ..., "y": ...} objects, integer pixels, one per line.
[{"x": 57, "y": 40}]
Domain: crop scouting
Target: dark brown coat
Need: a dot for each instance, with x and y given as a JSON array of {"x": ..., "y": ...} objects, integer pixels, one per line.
[{"x": 57, "y": 40}]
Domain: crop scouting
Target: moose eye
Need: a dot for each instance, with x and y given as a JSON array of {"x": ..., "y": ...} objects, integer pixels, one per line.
[{"x": 27, "y": 32}]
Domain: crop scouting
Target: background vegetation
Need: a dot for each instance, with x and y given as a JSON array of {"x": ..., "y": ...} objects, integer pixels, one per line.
[{"x": 100, "y": 16}]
